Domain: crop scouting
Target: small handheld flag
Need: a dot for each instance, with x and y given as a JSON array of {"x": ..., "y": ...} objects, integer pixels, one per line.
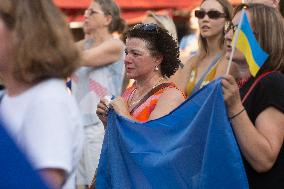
[{"x": 244, "y": 40}]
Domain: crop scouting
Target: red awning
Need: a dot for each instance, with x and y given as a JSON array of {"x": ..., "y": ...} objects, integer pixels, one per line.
[
  {"x": 134, "y": 4},
  {"x": 132, "y": 10},
  {"x": 152, "y": 4},
  {"x": 129, "y": 4},
  {"x": 72, "y": 4}
]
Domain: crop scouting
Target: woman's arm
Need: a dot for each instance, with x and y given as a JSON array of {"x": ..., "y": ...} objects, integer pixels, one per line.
[
  {"x": 54, "y": 177},
  {"x": 106, "y": 53},
  {"x": 260, "y": 143}
]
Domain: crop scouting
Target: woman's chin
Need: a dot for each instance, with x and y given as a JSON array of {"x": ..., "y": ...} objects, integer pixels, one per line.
[{"x": 130, "y": 76}]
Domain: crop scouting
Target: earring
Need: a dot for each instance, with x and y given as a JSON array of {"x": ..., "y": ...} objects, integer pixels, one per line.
[{"x": 156, "y": 68}]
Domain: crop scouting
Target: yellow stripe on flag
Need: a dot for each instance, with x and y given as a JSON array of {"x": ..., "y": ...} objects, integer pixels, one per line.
[{"x": 244, "y": 46}]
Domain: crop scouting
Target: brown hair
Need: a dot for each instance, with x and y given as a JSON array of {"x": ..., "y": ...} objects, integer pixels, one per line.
[
  {"x": 109, "y": 7},
  {"x": 268, "y": 26},
  {"x": 228, "y": 10},
  {"x": 281, "y": 7},
  {"x": 42, "y": 43}
]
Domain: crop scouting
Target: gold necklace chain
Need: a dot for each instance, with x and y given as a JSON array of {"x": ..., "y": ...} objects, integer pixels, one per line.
[{"x": 130, "y": 102}]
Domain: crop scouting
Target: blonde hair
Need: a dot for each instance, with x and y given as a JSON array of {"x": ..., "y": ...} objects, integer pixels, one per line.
[
  {"x": 42, "y": 43},
  {"x": 164, "y": 21}
]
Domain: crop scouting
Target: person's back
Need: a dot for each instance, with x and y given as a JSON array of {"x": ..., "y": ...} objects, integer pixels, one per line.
[
  {"x": 36, "y": 107},
  {"x": 41, "y": 116}
]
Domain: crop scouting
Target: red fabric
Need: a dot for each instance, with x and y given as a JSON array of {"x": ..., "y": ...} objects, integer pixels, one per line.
[
  {"x": 72, "y": 4},
  {"x": 126, "y": 4},
  {"x": 133, "y": 11},
  {"x": 131, "y": 4},
  {"x": 152, "y": 4}
]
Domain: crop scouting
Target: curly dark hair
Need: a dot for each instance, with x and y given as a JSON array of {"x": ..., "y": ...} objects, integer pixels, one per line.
[{"x": 160, "y": 42}]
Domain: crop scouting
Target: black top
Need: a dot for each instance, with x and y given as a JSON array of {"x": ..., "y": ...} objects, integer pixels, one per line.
[{"x": 269, "y": 92}]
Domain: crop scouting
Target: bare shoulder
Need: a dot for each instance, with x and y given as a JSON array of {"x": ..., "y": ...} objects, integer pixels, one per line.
[
  {"x": 168, "y": 101},
  {"x": 172, "y": 94},
  {"x": 181, "y": 77},
  {"x": 191, "y": 62}
]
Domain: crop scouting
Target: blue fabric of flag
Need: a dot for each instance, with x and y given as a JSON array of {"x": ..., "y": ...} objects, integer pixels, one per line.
[
  {"x": 192, "y": 147},
  {"x": 16, "y": 172}
]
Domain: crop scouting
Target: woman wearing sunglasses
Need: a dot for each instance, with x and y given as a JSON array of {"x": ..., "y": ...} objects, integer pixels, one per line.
[
  {"x": 207, "y": 63},
  {"x": 256, "y": 110},
  {"x": 151, "y": 57}
]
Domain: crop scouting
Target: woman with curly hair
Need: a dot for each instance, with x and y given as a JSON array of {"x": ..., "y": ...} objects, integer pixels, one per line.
[{"x": 151, "y": 57}]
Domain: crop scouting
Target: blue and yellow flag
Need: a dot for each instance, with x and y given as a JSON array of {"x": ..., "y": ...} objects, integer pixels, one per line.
[
  {"x": 249, "y": 46},
  {"x": 191, "y": 148}
]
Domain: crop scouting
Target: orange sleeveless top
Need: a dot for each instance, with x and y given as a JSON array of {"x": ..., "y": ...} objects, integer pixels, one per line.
[{"x": 143, "y": 111}]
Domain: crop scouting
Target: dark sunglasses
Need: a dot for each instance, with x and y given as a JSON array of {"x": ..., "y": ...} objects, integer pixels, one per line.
[
  {"x": 230, "y": 26},
  {"x": 147, "y": 27},
  {"x": 212, "y": 14}
]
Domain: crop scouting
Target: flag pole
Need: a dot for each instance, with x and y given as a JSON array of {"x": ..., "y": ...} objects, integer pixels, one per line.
[{"x": 235, "y": 39}]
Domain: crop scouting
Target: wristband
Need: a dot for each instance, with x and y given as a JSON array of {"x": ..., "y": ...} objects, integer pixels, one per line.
[{"x": 232, "y": 117}]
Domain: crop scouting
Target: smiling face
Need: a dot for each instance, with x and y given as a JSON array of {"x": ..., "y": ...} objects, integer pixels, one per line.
[
  {"x": 139, "y": 62},
  {"x": 210, "y": 27}
]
